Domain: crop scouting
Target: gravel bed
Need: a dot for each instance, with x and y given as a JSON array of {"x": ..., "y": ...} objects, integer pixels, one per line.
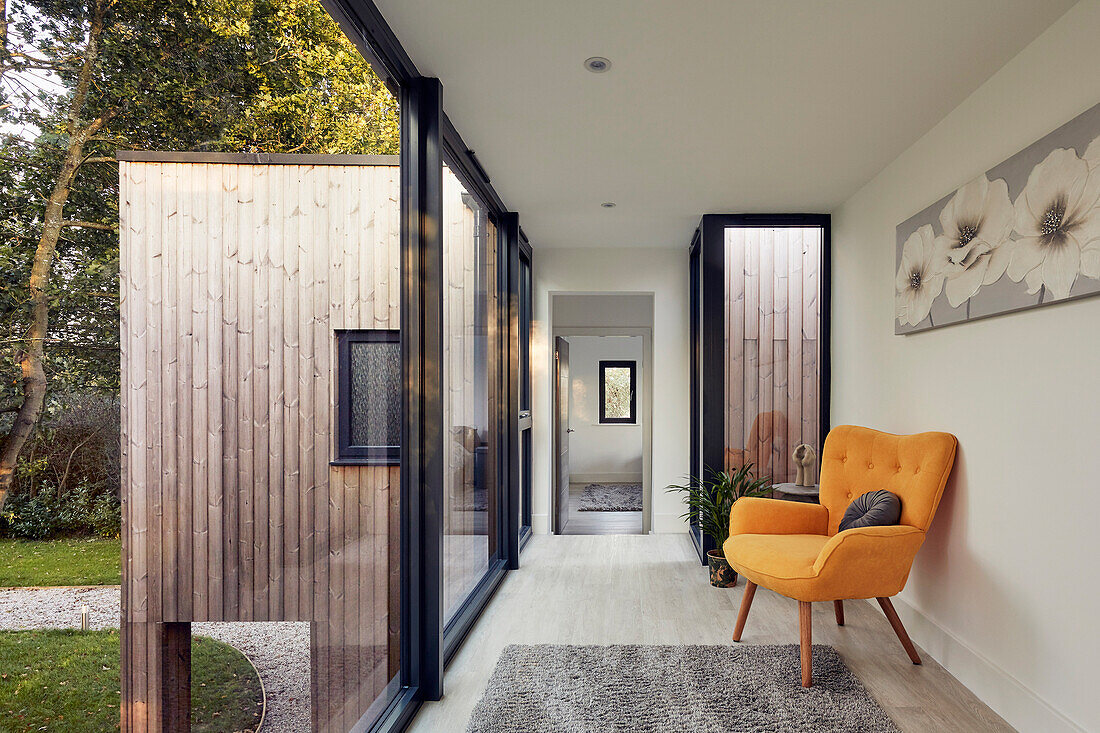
[
  {"x": 59, "y": 608},
  {"x": 280, "y": 650}
]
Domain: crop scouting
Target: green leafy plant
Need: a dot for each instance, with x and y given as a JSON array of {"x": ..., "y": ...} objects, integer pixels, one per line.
[{"x": 710, "y": 499}]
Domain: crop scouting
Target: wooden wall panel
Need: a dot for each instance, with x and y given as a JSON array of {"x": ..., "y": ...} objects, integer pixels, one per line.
[
  {"x": 772, "y": 316},
  {"x": 234, "y": 280}
]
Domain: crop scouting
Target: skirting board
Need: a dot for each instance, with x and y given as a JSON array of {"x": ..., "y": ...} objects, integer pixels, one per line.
[
  {"x": 605, "y": 478},
  {"x": 1020, "y": 706},
  {"x": 662, "y": 524},
  {"x": 540, "y": 524}
]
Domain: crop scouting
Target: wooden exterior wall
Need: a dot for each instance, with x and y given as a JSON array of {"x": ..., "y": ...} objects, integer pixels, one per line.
[
  {"x": 773, "y": 374},
  {"x": 234, "y": 280}
]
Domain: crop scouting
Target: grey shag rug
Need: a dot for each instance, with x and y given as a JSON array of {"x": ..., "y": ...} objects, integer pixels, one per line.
[
  {"x": 551, "y": 688},
  {"x": 610, "y": 498}
]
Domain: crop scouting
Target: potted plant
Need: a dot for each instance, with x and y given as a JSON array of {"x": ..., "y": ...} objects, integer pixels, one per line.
[{"x": 709, "y": 502}]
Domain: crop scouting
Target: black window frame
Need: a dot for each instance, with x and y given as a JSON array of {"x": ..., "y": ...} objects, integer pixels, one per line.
[
  {"x": 632, "y": 365},
  {"x": 707, "y": 301},
  {"x": 347, "y": 454}
]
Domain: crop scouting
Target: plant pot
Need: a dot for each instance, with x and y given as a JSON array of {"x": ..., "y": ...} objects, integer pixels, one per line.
[{"x": 721, "y": 574}]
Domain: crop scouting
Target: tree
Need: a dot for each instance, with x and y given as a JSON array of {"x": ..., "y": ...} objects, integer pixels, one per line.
[
  {"x": 82, "y": 78},
  {"x": 30, "y": 355}
]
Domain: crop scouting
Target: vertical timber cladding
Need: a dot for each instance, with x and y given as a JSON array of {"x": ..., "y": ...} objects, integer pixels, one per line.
[
  {"x": 773, "y": 364},
  {"x": 234, "y": 279}
]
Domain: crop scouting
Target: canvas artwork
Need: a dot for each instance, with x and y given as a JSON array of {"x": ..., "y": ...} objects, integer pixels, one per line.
[{"x": 1023, "y": 234}]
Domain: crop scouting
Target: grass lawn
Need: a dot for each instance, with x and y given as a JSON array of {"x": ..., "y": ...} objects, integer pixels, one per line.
[
  {"x": 69, "y": 681},
  {"x": 60, "y": 562}
]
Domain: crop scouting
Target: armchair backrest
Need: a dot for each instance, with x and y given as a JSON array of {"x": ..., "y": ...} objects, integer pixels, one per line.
[{"x": 856, "y": 460}]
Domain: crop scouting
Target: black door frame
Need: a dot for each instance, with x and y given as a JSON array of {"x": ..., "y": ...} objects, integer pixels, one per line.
[
  {"x": 525, "y": 442},
  {"x": 707, "y": 256}
]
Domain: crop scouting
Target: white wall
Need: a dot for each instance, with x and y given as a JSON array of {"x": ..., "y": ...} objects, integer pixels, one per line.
[
  {"x": 662, "y": 272},
  {"x": 1005, "y": 591},
  {"x": 608, "y": 311},
  {"x": 609, "y": 451}
]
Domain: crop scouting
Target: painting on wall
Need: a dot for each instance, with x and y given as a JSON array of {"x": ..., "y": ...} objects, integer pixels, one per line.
[{"x": 1023, "y": 234}]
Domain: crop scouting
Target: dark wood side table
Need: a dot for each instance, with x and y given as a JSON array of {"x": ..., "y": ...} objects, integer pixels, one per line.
[{"x": 794, "y": 492}]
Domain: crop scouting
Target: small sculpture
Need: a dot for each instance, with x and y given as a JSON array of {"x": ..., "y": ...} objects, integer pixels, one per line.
[{"x": 804, "y": 456}]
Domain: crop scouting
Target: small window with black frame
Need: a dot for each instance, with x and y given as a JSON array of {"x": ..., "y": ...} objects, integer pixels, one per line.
[
  {"x": 618, "y": 382},
  {"x": 368, "y": 400}
]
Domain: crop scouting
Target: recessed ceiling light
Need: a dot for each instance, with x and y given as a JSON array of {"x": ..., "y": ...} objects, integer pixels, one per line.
[
  {"x": 597, "y": 64},
  {"x": 608, "y": 204}
]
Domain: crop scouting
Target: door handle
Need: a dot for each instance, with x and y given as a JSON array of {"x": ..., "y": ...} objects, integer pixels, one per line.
[{"x": 570, "y": 430}]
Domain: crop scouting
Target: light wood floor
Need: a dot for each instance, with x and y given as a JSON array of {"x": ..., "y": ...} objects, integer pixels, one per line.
[
  {"x": 651, "y": 589},
  {"x": 599, "y": 522}
]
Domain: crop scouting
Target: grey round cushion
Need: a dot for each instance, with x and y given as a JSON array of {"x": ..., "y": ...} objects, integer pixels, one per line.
[{"x": 873, "y": 509}]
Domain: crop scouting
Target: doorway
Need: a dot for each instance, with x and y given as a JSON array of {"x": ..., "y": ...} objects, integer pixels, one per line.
[{"x": 602, "y": 436}]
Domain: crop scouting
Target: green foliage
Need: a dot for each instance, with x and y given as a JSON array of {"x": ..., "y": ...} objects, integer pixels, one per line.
[
  {"x": 69, "y": 681},
  {"x": 710, "y": 499},
  {"x": 25, "y": 563},
  {"x": 68, "y": 479},
  {"x": 272, "y": 76},
  {"x": 315, "y": 93},
  {"x": 46, "y": 514}
]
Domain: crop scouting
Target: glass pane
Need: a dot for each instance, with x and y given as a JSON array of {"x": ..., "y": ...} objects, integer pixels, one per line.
[
  {"x": 616, "y": 394},
  {"x": 773, "y": 360},
  {"x": 375, "y": 393},
  {"x": 269, "y": 262},
  {"x": 470, "y": 392},
  {"x": 524, "y": 333}
]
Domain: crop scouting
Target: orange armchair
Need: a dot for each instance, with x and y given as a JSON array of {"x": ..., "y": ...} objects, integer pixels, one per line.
[{"x": 797, "y": 551}]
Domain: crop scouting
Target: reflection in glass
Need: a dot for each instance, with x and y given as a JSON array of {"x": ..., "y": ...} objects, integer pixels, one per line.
[{"x": 470, "y": 315}]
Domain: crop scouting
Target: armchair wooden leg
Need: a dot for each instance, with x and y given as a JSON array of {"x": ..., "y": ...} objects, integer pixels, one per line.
[
  {"x": 805, "y": 628},
  {"x": 743, "y": 614},
  {"x": 838, "y": 609},
  {"x": 899, "y": 629}
]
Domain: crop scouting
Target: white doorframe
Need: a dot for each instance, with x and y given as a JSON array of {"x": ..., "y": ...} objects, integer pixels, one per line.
[{"x": 645, "y": 413}]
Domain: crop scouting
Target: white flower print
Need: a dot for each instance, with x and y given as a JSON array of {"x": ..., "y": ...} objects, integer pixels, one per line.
[
  {"x": 920, "y": 277},
  {"x": 974, "y": 247},
  {"x": 1090, "y": 251},
  {"x": 1056, "y": 217}
]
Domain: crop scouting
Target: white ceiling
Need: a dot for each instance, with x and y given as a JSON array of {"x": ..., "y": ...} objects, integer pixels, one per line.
[{"x": 710, "y": 105}]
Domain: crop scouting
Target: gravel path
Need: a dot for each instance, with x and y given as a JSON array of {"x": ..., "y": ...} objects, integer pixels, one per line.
[{"x": 280, "y": 650}]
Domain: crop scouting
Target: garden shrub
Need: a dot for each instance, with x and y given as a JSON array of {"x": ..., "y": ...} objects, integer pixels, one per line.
[{"x": 68, "y": 482}]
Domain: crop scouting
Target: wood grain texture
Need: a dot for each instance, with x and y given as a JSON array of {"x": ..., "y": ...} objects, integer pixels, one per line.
[
  {"x": 234, "y": 281},
  {"x": 743, "y": 612},
  {"x": 805, "y": 641},
  {"x": 899, "y": 629},
  {"x": 772, "y": 313}
]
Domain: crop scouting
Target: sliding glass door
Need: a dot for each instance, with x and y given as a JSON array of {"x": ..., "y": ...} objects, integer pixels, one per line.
[{"x": 471, "y": 393}]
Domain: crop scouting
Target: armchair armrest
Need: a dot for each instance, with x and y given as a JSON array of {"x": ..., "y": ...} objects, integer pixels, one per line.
[
  {"x": 757, "y": 515},
  {"x": 869, "y": 561}
]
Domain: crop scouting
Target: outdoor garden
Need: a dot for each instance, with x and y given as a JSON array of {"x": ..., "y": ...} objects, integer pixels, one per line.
[{"x": 79, "y": 80}]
